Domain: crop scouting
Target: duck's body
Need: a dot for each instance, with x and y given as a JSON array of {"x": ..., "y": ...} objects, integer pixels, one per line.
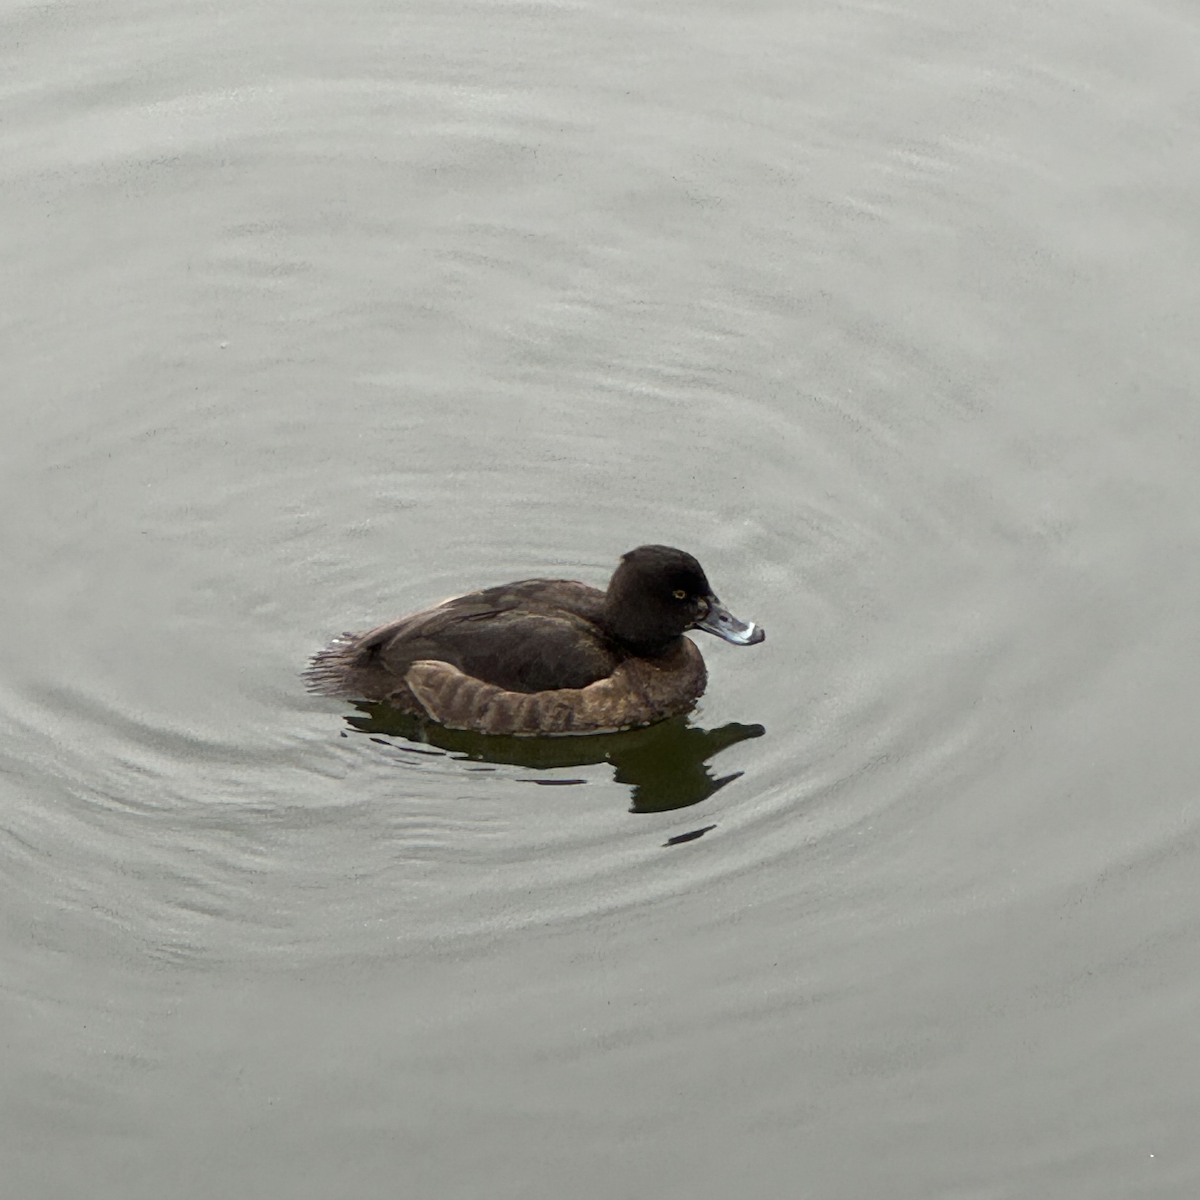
[{"x": 543, "y": 656}]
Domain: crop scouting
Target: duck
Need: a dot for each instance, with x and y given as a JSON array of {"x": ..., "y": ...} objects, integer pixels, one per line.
[{"x": 544, "y": 657}]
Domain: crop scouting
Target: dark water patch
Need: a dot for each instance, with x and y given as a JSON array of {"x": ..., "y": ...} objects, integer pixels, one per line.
[{"x": 680, "y": 838}]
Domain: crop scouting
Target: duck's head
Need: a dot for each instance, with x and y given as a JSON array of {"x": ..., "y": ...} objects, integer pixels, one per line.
[{"x": 657, "y": 593}]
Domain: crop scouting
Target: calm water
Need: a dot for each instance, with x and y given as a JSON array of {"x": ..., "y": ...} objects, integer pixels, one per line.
[{"x": 317, "y": 313}]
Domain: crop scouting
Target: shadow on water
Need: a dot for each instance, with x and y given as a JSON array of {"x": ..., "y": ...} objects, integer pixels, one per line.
[{"x": 665, "y": 765}]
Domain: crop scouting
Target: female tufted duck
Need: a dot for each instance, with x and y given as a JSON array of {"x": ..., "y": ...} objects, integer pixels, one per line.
[{"x": 544, "y": 656}]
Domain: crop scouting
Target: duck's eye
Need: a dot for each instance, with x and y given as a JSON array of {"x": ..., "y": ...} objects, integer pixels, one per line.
[{"x": 679, "y": 594}]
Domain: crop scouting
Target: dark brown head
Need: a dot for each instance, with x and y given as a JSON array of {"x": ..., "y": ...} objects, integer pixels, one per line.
[{"x": 658, "y": 592}]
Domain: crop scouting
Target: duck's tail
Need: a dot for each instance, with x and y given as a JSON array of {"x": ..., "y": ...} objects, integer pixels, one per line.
[{"x": 337, "y": 670}]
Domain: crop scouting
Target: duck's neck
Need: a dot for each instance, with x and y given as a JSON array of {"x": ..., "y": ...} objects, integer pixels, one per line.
[{"x": 632, "y": 632}]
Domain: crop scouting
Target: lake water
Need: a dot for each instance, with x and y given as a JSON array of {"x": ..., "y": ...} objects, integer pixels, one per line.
[{"x": 316, "y": 313}]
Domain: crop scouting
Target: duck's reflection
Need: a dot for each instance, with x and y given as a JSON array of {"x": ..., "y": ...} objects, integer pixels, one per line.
[{"x": 666, "y": 765}]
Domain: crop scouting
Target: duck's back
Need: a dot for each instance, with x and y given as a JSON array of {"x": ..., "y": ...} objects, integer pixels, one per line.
[{"x": 531, "y": 636}]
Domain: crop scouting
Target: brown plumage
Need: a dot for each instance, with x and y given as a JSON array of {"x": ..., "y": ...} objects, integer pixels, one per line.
[{"x": 543, "y": 656}]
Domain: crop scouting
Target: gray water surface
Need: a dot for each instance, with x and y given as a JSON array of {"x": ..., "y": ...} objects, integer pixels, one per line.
[{"x": 318, "y": 313}]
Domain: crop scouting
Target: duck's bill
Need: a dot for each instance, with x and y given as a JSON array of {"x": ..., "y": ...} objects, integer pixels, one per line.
[{"x": 725, "y": 625}]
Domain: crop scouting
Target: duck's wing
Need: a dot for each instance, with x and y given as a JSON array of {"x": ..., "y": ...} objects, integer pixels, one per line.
[
  {"x": 530, "y": 636},
  {"x": 513, "y": 649}
]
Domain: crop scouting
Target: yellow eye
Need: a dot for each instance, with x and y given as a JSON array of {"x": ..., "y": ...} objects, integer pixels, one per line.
[{"x": 679, "y": 594}]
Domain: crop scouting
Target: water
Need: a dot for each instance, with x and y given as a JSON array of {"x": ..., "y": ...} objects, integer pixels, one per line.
[{"x": 319, "y": 313}]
